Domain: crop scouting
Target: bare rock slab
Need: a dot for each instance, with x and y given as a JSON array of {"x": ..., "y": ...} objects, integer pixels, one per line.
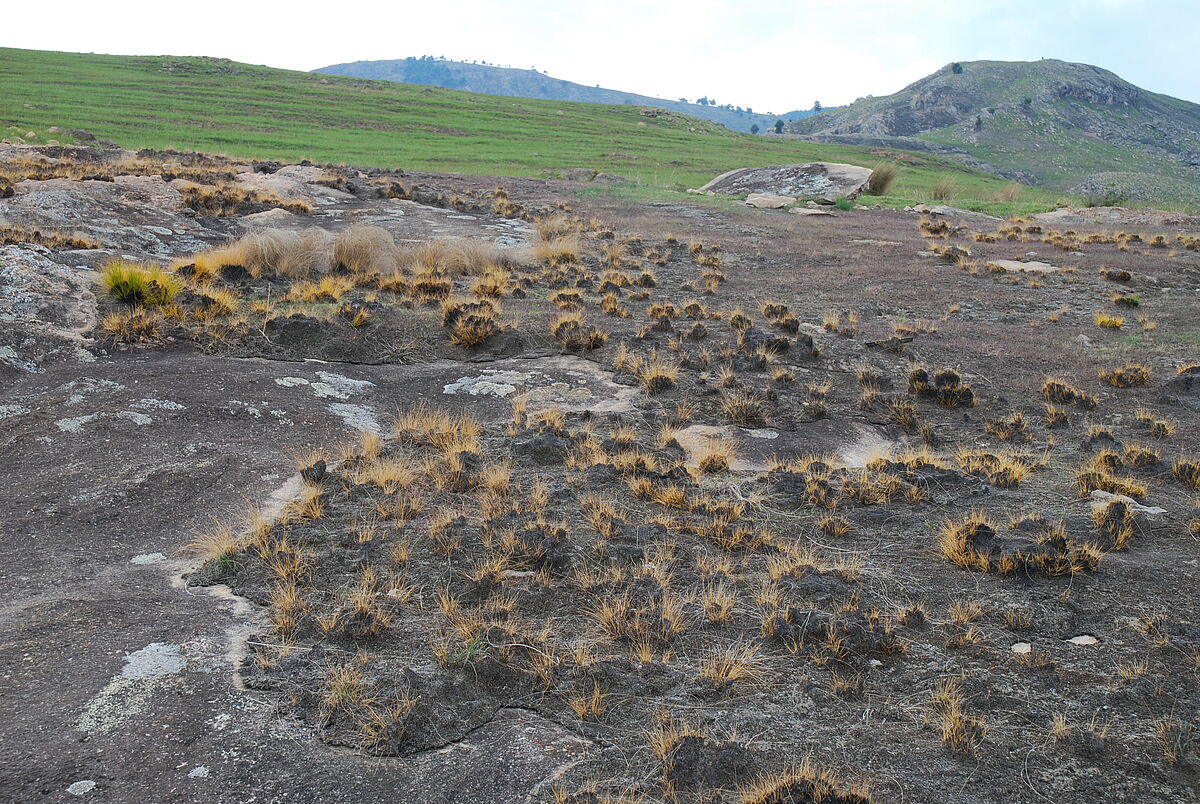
[
  {"x": 820, "y": 181},
  {"x": 769, "y": 201},
  {"x": 514, "y": 757}
]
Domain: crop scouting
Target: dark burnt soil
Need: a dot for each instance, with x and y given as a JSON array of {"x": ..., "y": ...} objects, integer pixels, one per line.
[{"x": 804, "y": 522}]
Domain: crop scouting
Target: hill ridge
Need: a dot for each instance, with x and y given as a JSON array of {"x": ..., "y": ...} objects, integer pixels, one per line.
[
  {"x": 1066, "y": 125},
  {"x": 517, "y": 82}
]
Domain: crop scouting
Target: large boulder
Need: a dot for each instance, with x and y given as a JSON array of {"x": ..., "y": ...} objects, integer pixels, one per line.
[{"x": 820, "y": 181}]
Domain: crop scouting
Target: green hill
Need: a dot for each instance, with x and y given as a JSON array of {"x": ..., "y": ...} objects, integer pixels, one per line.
[
  {"x": 492, "y": 80},
  {"x": 251, "y": 111},
  {"x": 1070, "y": 127}
]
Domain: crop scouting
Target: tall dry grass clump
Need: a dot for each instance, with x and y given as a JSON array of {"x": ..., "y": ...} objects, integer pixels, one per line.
[
  {"x": 454, "y": 256},
  {"x": 881, "y": 178},
  {"x": 558, "y": 240},
  {"x": 365, "y": 249},
  {"x": 268, "y": 252},
  {"x": 1008, "y": 193},
  {"x": 943, "y": 189}
]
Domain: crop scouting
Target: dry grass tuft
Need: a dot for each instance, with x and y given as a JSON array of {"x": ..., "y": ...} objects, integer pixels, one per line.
[
  {"x": 961, "y": 732},
  {"x": 575, "y": 335},
  {"x": 739, "y": 663},
  {"x": 716, "y": 456},
  {"x": 225, "y": 200},
  {"x": 881, "y": 178},
  {"x": 49, "y": 239},
  {"x": 1126, "y": 376},
  {"x": 365, "y": 250}
]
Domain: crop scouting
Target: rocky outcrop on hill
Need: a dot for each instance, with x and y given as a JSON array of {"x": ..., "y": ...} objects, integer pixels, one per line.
[{"x": 1043, "y": 121}]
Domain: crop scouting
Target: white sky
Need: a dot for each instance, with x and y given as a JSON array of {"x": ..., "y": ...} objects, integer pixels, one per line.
[{"x": 769, "y": 55}]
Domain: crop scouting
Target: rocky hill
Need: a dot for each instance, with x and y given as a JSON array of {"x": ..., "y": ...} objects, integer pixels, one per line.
[
  {"x": 491, "y": 80},
  {"x": 1067, "y": 126}
]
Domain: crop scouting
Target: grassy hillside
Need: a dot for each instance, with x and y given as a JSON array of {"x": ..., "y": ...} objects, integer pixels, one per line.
[
  {"x": 514, "y": 82},
  {"x": 251, "y": 111},
  {"x": 1059, "y": 123}
]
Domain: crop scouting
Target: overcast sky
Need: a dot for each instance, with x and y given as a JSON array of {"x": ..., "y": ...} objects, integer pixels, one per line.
[{"x": 771, "y": 56}]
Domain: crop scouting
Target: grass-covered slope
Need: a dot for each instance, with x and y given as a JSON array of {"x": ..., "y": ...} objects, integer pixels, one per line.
[
  {"x": 252, "y": 111},
  {"x": 492, "y": 80}
]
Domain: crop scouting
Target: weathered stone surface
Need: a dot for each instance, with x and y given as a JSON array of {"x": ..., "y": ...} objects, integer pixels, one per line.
[
  {"x": 769, "y": 201},
  {"x": 1102, "y": 498},
  {"x": 823, "y": 181},
  {"x": 976, "y": 218},
  {"x": 44, "y": 309}
]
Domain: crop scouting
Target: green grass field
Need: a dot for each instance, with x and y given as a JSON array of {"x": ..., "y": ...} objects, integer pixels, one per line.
[{"x": 243, "y": 110}]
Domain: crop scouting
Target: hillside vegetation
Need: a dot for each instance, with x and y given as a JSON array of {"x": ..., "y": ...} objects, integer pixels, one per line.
[
  {"x": 1071, "y": 127},
  {"x": 259, "y": 112},
  {"x": 491, "y": 80}
]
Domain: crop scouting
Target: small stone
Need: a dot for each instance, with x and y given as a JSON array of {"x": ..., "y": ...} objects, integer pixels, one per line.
[
  {"x": 81, "y": 788},
  {"x": 198, "y": 772},
  {"x": 762, "y": 433},
  {"x": 1021, "y": 648},
  {"x": 1084, "y": 639}
]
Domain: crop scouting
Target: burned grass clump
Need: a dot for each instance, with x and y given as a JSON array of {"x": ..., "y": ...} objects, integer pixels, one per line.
[
  {"x": 1063, "y": 393},
  {"x": 1029, "y": 544},
  {"x": 228, "y": 200},
  {"x": 1129, "y": 375},
  {"x": 946, "y": 387},
  {"x": 576, "y": 335}
]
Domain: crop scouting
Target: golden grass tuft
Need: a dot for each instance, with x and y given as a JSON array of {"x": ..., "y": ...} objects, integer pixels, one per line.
[
  {"x": 453, "y": 256},
  {"x": 365, "y": 250},
  {"x": 738, "y": 663},
  {"x": 716, "y": 456},
  {"x": 803, "y": 782},
  {"x": 1062, "y": 392},
  {"x": 131, "y": 326},
  {"x": 960, "y": 731},
  {"x": 658, "y": 374},
  {"x": 10, "y": 233}
]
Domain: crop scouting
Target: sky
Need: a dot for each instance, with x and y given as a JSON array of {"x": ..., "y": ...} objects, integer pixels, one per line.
[{"x": 769, "y": 56}]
